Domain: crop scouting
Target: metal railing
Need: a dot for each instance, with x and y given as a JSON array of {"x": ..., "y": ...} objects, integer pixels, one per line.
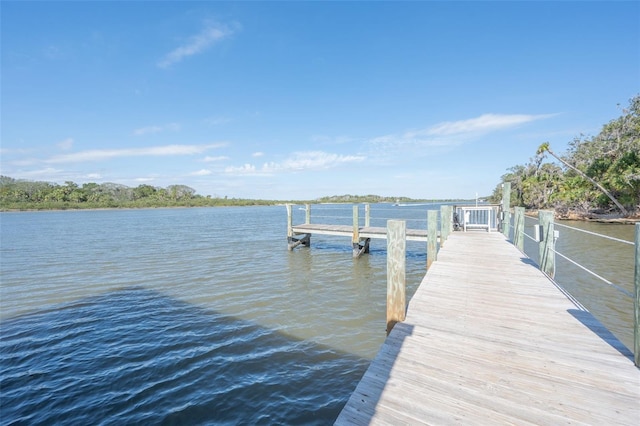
[{"x": 543, "y": 233}]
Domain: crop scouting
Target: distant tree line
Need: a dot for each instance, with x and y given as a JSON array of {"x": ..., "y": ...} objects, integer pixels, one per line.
[
  {"x": 347, "y": 198},
  {"x": 36, "y": 195},
  {"x": 18, "y": 194},
  {"x": 597, "y": 174}
]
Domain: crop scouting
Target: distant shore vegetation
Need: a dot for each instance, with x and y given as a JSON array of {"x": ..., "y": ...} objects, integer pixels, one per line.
[
  {"x": 18, "y": 194},
  {"x": 598, "y": 175}
]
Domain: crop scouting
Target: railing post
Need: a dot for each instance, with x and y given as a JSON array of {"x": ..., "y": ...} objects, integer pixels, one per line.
[
  {"x": 506, "y": 207},
  {"x": 367, "y": 215},
  {"x": 547, "y": 244},
  {"x": 432, "y": 237},
  {"x": 636, "y": 302},
  {"x": 445, "y": 223},
  {"x": 307, "y": 216},
  {"x": 396, "y": 263},
  {"x": 518, "y": 228}
]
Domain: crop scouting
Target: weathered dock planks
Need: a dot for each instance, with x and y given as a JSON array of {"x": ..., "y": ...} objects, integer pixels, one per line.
[
  {"x": 488, "y": 339},
  {"x": 364, "y": 232}
]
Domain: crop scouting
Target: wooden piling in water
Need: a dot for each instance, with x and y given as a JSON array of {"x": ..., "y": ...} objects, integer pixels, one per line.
[
  {"x": 367, "y": 215},
  {"x": 289, "y": 222},
  {"x": 293, "y": 242},
  {"x": 446, "y": 219},
  {"x": 396, "y": 280}
]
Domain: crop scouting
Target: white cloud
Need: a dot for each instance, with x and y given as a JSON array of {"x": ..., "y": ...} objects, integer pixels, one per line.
[
  {"x": 298, "y": 161},
  {"x": 242, "y": 170},
  {"x": 202, "y": 172},
  {"x": 156, "y": 129},
  {"x": 446, "y": 134},
  {"x": 49, "y": 171},
  {"x": 66, "y": 144},
  {"x": 257, "y": 154},
  {"x": 481, "y": 124},
  {"x": 198, "y": 43},
  {"x": 209, "y": 159},
  {"x": 106, "y": 154}
]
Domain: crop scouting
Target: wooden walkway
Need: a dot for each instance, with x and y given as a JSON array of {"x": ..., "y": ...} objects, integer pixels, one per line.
[
  {"x": 489, "y": 340},
  {"x": 364, "y": 232}
]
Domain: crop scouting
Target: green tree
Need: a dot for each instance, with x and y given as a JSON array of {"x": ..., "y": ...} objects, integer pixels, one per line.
[{"x": 544, "y": 148}]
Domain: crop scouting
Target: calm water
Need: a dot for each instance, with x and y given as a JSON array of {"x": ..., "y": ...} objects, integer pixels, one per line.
[
  {"x": 201, "y": 316},
  {"x": 185, "y": 316}
]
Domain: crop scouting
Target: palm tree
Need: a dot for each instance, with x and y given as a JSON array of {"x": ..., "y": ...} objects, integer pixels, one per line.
[{"x": 545, "y": 148}]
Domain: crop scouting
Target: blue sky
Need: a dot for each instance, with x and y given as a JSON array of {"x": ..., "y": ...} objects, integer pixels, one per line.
[{"x": 298, "y": 100}]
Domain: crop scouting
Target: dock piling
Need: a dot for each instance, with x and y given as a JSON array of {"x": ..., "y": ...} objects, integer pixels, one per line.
[
  {"x": 432, "y": 237},
  {"x": 396, "y": 279},
  {"x": 547, "y": 245}
]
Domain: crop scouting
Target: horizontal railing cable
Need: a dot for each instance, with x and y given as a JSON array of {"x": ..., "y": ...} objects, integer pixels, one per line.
[
  {"x": 595, "y": 233},
  {"x": 617, "y": 287}
]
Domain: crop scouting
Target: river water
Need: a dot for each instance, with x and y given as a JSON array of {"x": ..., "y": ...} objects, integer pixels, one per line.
[{"x": 202, "y": 316}]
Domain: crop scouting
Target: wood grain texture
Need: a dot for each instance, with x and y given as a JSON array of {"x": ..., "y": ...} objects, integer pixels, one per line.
[
  {"x": 489, "y": 340},
  {"x": 363, "y": 232}
]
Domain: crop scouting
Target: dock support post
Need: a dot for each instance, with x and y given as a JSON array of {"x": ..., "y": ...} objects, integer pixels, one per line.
[
  {"x": 446, "y": 218},
  {"x": 307, "y": 214},
  {"x": 547, "y": 244},
  {"x": 396, "y": 263},
  {"x": 506, "y": 208},
  {"x": 289, "y": 222},
  {"x": 518, "y": 228},
  {"x": 293, "y": 242},
  {"x": 636, "y": 303},
  {"x": 367, "y": 215},
  {"x": 432, "y": 237}
]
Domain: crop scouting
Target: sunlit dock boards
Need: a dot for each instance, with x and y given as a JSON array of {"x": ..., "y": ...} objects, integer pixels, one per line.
[
  {"x": 489, "y": 339},
  {"x": 364, "y": 232}
]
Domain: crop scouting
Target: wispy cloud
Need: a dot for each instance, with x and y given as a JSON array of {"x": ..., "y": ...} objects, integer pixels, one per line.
[
  {"x": 209, "y": 159},
  {"x": 217, "y": 121},
  {"x": 257, "y": 154},
  {"x": 210, "y": 35},
  {"x": 174, "y": 127},
  {"x": 66, "y": 144},
  {"x": 298, "y": 161},
  {"x": 106, "y": 154},
  {"x": 201, "y": 172},
  {"x": 447, "y": 134},
  {"x": 483, "y": 123}
]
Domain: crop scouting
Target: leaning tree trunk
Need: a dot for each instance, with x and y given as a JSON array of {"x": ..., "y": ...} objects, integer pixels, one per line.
[{"x": 545, "y": 147}]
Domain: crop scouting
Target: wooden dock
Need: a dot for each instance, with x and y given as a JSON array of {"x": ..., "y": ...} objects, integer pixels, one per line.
[
  {"x": 489, "y": 340},
  {"x": 363, "y": 231}
]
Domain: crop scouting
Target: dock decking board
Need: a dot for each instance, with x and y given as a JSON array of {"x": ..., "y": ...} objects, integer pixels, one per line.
[
  {"x": 489, "y": 339},
  {"x": 347, "y": 231}
]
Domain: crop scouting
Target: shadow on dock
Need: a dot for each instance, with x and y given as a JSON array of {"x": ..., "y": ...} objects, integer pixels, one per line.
[{"x": 601, "y": 331}]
